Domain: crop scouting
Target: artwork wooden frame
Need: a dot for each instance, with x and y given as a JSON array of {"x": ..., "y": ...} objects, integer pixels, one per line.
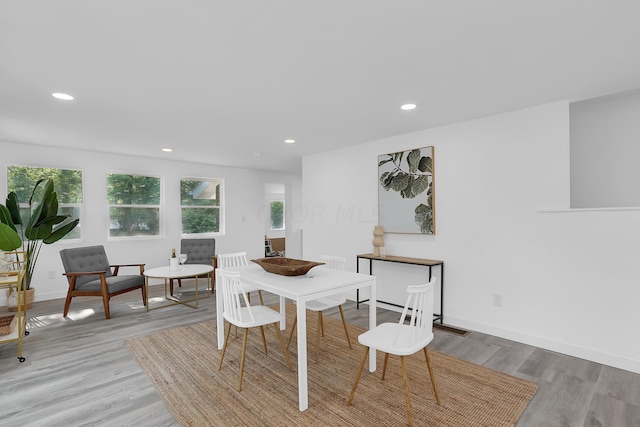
[{"x": 406, "y": 198}]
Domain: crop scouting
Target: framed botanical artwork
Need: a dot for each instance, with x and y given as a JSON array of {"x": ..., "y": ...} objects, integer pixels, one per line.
[{"x": 406, "y": 191}]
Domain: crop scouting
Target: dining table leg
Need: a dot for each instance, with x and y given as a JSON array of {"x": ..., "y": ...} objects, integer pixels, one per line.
[
  {"x": 303, "y": 389},
  {"x": 219, "y": 318},
  {"x": 283, "y": 313}
]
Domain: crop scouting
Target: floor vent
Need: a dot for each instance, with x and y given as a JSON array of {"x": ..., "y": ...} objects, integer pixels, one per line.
[{"x": 450, "y": 329}]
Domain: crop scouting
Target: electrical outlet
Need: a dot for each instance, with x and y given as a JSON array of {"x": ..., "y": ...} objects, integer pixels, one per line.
[
  {"x": 497, "y": 300},
  {"x": 52, "y": 274}
]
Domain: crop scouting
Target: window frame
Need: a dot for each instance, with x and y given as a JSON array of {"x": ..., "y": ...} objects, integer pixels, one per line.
[
  {"x": 159, "y": 207},
  {"x": 24, "y": 204},
  {"x": 220, "y": 207},
  {"x": 284, "y": 207}
]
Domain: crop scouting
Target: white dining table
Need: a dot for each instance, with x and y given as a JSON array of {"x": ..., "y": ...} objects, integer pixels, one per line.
[{"x": 319, "y": 282}]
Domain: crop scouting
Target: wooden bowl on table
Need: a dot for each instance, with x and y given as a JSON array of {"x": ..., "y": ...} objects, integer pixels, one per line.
[{"x": 286, "y": 266}]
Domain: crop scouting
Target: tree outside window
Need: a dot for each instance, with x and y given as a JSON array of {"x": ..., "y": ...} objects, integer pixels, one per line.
[
  {"x": 201, "y": 204},
  {"x": 134, "y": 205},
  {"x": 68, "y": 186},
  {"x": 277, "y": 215}
]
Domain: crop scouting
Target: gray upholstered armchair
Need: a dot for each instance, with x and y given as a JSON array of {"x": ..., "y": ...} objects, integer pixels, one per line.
[
  {"x": 89, "y": 274},
  {"x": 199, "y": 251}
]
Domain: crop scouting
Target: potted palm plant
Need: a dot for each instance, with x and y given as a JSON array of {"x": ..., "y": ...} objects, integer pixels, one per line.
[{"x": 44, "y": 226}]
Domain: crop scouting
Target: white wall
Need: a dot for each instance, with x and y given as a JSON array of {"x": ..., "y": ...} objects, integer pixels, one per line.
[
  {"x": 243, "y": 198},
  {"x": 568, "y": 279}
]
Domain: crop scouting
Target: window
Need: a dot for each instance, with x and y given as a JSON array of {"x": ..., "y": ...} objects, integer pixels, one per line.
[
  {"x": 134, "y": 205},
  {"x": 277, "y": 215},
  {"x": 201, "y": 203},
  {"x": 67, "y": 184}
]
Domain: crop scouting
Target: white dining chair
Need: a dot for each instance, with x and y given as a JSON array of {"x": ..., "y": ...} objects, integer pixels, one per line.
[
  {"x": 237, "y": 310},
  {"x": 235, "y": 260},
  {"x": 403, "y": 339},
  {"x": 321, "y": 304}
]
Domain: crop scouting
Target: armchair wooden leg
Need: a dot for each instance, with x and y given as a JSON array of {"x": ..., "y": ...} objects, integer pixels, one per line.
[
  {"x": 433, "y": 378},
  {"x": 105, "y": 303},
  {"x": 144, "y": 295},
  {"x": 105, "y": 296},
  {"x": 406, "y": 390},
  {"x": 171, "y": 285},
  {"x": 355, "y": 383},
  {"x": 67, "y": 303}
]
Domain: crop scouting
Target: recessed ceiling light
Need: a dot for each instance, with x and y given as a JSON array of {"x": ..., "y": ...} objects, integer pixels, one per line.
[
  {"x": 167, "y": 150},
  {"x": 408, "y": 107},
  {"x": 257, "y": 154},
  {"x": 62, "y": 96},
  {"x": 289, "y": 141}
]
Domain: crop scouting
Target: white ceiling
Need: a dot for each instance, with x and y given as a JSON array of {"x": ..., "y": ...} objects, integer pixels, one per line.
[{"x": 219, "y": 81}]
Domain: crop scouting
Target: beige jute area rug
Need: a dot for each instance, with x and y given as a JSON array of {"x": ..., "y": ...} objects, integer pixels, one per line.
[{"x": 183, "y": 366}]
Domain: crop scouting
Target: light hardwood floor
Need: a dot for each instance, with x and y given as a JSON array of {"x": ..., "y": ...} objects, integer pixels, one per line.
[{"x": 78, "y": 373}]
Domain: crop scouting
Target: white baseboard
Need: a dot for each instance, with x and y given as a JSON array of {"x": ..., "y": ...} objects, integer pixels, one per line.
[
  {"x": 592, "y": 354},
  {"x": 39, "y": 296}
]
